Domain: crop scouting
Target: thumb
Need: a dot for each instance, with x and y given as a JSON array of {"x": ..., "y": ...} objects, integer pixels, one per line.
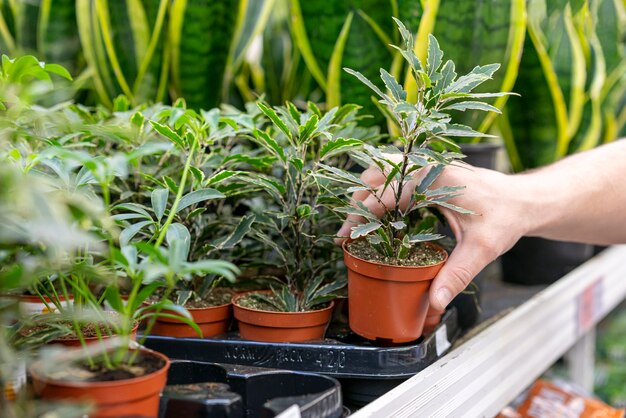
[{"x": 465, "y": 262}]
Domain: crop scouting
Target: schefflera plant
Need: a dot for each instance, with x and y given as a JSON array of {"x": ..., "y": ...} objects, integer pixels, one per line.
[
  {"x": 294, "y": 219},
  {"x": 293, "y": 224},
  {"x": 389, "y": 260},
  {"x": 426, "y": 127}
]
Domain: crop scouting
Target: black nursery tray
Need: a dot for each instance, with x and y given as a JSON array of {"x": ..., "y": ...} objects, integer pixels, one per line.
[
  {"x": 340, "y": 355},
  {"x": 202, "y": 390},
  {"x": 365, "y": 371}
]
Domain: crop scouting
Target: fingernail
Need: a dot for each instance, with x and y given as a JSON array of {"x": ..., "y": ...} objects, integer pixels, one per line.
[{"x": 444, "y": 296}]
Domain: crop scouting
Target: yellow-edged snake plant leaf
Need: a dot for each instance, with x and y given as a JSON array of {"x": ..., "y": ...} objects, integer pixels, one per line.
[{"x": 363, "y": 50}]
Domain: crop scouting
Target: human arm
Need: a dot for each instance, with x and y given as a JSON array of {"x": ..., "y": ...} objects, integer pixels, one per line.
[{"x": 580, "y": 198}]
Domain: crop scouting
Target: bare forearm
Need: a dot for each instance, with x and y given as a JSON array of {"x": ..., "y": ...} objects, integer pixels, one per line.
[{"x": 581, "y": 198}]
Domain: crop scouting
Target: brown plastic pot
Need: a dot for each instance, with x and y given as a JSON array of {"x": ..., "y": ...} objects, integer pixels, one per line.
[
  {"x": 433, "y": 318},
  {"x": 388, "y": 303},
  {"x": 270, "y": 326},
  {"x": 138, "y": 396},
  {"x": 33, "y": 305},
  {"x": 75, "y": 342},
  {"x": 212, "y": 321}
]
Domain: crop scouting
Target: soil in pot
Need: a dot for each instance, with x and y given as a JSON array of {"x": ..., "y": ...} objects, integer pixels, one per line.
[
  {"x": 388, "y": 298},
  {"x": 260, "y": 321},
  {"x": 212, "y": 315},
  {"x": 89, "y": 331},
  {"x": 131, "y": 390}
]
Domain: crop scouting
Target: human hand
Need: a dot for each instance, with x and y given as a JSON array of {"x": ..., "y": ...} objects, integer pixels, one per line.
[{"x": 499, "y": 221}]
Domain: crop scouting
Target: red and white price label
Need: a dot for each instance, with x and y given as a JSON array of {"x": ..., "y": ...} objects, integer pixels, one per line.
[{"x": 589, "y": 307}]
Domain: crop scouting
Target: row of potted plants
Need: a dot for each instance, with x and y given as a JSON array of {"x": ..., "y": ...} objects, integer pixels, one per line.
[{"x": 164, "y": 201}]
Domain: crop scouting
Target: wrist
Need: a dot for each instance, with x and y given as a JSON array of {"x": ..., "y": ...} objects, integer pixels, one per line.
[{"x": 537, "y": 202}]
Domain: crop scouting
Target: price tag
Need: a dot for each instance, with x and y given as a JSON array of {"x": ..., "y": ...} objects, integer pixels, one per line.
[
  {"x": 589, "y": 307},
  {"x": 292, "y": 412},
  {"x": 441, "y": 340}
]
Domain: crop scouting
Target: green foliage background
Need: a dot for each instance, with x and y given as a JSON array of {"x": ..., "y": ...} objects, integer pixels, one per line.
[{"x": 566, "y": 58}]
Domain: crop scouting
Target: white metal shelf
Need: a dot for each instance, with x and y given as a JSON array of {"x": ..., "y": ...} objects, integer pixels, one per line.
[{"x": 483, "y": 375}]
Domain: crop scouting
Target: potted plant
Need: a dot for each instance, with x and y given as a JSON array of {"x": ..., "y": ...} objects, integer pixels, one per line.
[
  {"x": 391, "y": 261},
  {"x": 119, "y": 380},
  {"x": 193, "y": 195},
  {"x": 293, "y": 225}
]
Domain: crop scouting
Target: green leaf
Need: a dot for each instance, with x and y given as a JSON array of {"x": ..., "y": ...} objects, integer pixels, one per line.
[
  {"x": 344, "y": 176},
  {"x": 173, "y": 186},
  {"x": 134, "y": 207},
  {"x": 159, "y": 202},
  {"x": 364, "y": 229},
  {"x": 197, "y": 197},
  {"x": 455, "y": 208},
  {"x": 57, "y": 69},
  {"x": 337, "y": 146},
  {"x": 392, "y": 84},
  {"x": 269, "y": 144},
  {"x": 221, "y": 268},
  {"x": 432, "y": 175},
  {"x": 145, "y": 292},
  {"x": 270, "y": 113},
  {"x": 197, "y": 174},
  {"x": 178, "y": 232},
  {"x": 445, "y": 190},
  {"x": 167, "y": 132},
  {"x": 463, "y": 106},
  {"x": 297, "y": 163},
  {"x": 477, "y": 76},
  {"x": 447, "y": 76},
  {"x": 361, "y": 211},
  {"x": 415, "y": 238},
  {"x": 314, "y": 109},
  {"x": 221, "y": 176},
  {"x": 235, "y": 237},
  {"x": 306, "y": 130},
  {"x": 399, "y": 225},
  {"x": 368, "y": 83},
  {"x": 406, "y": 34},
  {"x": 343, "y": 112},
  {"x": 462, "y": 131},
  {"x": 435, "y": 55},
  {"x": 112, "y": 296},
  {"x": 128, "y": 233}
]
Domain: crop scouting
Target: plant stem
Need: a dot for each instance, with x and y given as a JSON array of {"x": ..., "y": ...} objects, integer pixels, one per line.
[
  {"x": 75, "y": 324},
  {"x": 179, "y": 195},
  {"x": 106, "y": 196},
  {"x": 150, "y": 324}
]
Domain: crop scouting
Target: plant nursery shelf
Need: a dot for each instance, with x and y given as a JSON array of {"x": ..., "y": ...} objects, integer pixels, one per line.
[{"x": 481, "y": 376}]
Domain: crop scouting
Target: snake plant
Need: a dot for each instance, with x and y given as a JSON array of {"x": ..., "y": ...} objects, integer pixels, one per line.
[
  {"x": 571, "y": 81},
  {"x": 358, "y": 34}
]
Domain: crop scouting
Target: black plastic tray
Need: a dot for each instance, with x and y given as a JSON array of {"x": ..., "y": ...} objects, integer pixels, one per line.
[
  {"x": 341, "y": 356},
  {"x": 365, "y": 371},
  {"x": 203, "y": 390}
]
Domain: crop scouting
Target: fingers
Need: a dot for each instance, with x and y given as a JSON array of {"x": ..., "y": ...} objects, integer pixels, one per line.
[{"x": 465, "y": 262}]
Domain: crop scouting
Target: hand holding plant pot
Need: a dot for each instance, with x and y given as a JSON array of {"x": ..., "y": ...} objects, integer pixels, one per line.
[{"x": 390, "y": 260}]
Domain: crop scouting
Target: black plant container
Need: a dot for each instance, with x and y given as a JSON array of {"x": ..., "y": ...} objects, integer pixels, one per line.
[
  {"x": 481, "y": 154},
  {"x": 366, "y": 371},
  {"x": 207, "y": 390},
  {"x": 538, "y": 261}
]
